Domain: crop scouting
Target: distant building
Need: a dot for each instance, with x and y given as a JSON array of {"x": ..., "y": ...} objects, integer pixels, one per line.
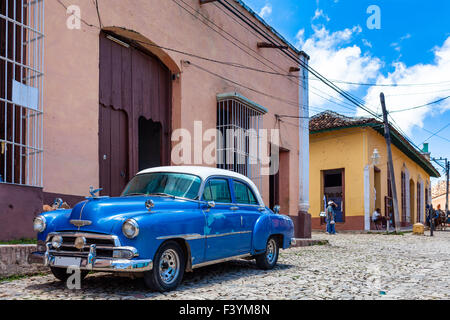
[
  {"x": 438, "y": 195},
  {"x": 342, "y": 170}
]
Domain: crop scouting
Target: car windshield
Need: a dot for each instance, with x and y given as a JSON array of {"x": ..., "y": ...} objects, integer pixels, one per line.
[{"x": 164, "y": 184}]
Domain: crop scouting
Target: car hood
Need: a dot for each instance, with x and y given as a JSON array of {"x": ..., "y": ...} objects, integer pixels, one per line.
[{"x": 104, "y": 213}]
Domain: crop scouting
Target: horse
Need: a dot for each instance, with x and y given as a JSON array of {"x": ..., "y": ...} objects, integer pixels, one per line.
[{"x": 440, "y": 219}]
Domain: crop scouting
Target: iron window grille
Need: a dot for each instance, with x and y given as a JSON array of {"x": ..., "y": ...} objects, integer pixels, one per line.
[
  {"x": 239, "y": 122},
  {"x": 21, "y": 88}
]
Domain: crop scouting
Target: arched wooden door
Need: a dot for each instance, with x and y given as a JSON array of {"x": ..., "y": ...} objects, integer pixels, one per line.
[{"x": 139, "y": 85}]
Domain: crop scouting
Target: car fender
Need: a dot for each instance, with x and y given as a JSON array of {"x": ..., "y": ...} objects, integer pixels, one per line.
[{"x": 261, "y": 232}]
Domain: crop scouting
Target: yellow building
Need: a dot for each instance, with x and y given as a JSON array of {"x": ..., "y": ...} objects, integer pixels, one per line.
[{"x": 342, "y": 169}]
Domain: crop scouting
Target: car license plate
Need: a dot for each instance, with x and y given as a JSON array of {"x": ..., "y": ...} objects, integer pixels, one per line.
[{"x": 67, "y": 261}]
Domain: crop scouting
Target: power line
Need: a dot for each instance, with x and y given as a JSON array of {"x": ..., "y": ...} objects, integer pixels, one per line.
[
  {"x": 417, "y": 93},
  {"x": 421, "y": 106},
  {"x": 448, "y": 124},
  {"x": 232, "y": 64},
  {"x": 220, "y": 28},
  {"x": 448, "y": 140},
  {"x": 388, "y": 85},
  {"x": 269, "y": 38}
]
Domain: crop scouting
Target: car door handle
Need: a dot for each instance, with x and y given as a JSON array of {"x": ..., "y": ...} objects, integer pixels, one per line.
[{"x": 234, "y": 208}]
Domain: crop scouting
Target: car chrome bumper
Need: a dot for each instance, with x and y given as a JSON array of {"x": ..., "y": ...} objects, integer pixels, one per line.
[{"x": 91, "y": 262}]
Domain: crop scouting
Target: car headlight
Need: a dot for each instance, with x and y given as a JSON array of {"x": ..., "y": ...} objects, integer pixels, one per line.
[
  {"x": 39, "y": 224},
  {"x": 57, "y": 241},
  {"x": 130, "y": 228}
]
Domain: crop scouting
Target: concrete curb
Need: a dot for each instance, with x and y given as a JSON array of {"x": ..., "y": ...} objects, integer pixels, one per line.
[
  {"x": 309, "y": 242},
  {"x": 13, "y": 260}
]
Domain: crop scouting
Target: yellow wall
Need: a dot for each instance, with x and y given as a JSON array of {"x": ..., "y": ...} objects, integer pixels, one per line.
[
  {"x": 352, "y": 149},
  {"x": 401, "y": 161},
  {"x": 335, "y": 150}
]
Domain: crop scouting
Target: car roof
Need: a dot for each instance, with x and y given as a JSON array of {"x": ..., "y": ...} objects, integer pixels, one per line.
[{"x": 204, "y": 173}]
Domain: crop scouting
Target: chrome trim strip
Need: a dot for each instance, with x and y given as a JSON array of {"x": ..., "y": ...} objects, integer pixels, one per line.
[
  {"x": 196, "y": 236},
  {"x": 81, "y": 211},
  {"x": 207, "y": 263},
  {"x": 227, "y": 234},
  {"x": 193, "y": 236},
  {"x": 107, "y": 265},
  {"x": 86, "y": 235}
]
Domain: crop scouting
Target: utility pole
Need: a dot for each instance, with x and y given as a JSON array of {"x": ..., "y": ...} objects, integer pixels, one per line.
[
  {"x": 387, "y": 136},
  {"x": 447, "y": 169}
]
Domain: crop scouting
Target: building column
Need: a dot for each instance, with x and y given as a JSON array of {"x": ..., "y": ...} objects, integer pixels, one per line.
[
  {"x": 367, "y": 197},
  {"x": 303, "y": 228},
  {"x": 407, "y": 196}
]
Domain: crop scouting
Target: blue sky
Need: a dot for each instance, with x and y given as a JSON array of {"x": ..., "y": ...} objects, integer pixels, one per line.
[{"x": 412, "y": 46}]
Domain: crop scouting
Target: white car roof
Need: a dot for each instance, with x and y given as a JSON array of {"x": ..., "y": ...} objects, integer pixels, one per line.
[{"x": 204, "y": 173}]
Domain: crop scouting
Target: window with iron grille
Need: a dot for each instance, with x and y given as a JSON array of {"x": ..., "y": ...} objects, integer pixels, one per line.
[
  {"x": 21, "y": 86},
  {"x": 239, "y": 121}
]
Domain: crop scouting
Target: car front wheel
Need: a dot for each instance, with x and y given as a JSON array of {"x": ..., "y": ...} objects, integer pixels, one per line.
[
  {"x": 168, "y": 268},
  {"x": 268, "y": 259}
]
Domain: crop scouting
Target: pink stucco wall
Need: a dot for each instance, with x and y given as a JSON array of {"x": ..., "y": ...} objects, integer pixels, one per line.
[{"x": 72, "y": 82}]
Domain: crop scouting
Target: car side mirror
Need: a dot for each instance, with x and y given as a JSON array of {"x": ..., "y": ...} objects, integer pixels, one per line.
[
  {"x": 276, "y": 209},
  {"x": 211, "y": 204}
]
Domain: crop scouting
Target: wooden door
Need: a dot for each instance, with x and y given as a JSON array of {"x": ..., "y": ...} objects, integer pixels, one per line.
[
  {"x": 138, "y": 84},
  {"x": 113, "y": 150}
]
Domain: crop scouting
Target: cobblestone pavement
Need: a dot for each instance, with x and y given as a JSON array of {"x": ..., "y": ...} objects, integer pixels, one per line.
[{"x": 352, "y": 266}]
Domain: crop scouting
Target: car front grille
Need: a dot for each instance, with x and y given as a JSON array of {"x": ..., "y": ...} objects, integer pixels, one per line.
[{"x": 104, "y": 243}]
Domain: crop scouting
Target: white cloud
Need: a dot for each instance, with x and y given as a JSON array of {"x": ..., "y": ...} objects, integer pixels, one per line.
[
  {"x": 367, "y": 43},
  {"x": 266, "y": 11},
  {"x": 333, "y": 56},
  {"x": 318, "y": 14},
  {"x": 402, "y": 97},
  {"x": 300, "y": 37},
  {"x": 406, "y": 36}
]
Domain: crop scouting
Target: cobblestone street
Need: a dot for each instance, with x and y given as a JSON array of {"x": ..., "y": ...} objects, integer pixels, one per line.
[{"x": 352, "y": 266}]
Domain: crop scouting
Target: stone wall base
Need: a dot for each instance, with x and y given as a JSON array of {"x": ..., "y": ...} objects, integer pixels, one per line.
[{"x": 13, "y": 260}]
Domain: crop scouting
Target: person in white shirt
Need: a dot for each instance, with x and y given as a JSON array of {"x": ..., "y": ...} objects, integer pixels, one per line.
[{"x": 376, "y": 215}]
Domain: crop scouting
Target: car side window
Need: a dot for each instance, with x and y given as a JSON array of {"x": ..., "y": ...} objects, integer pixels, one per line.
[
  {"x": 217, "y": 190},
  {"x": 243, "y": 193}
]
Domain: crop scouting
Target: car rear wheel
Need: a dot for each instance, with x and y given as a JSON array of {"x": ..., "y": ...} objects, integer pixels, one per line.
[
  {"x": 168, "y": 268},
  {"x": 268, "y": 259},
  {"x": 61, "y": 273}
]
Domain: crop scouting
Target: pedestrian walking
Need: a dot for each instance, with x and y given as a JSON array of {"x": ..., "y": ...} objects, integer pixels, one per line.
[{"x": 331, "y": 218}]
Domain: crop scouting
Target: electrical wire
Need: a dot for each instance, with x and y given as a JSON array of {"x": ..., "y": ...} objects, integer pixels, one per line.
[
  {"x": 421, "y": 106},
  {"x": 440, "y": 130}
]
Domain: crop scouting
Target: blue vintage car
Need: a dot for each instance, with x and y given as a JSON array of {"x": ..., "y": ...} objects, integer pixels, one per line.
[{"x": 168, "y": 220}]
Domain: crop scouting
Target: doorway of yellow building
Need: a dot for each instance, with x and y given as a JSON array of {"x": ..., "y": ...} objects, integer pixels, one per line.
[
  {"x": 377, "y": 187},
  {"x": 334, "y": 190}
]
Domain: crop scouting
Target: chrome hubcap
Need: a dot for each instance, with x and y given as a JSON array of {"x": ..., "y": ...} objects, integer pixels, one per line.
[
  {"x": 271, "y": 251},
  {"x": 169, "y": 266}
]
